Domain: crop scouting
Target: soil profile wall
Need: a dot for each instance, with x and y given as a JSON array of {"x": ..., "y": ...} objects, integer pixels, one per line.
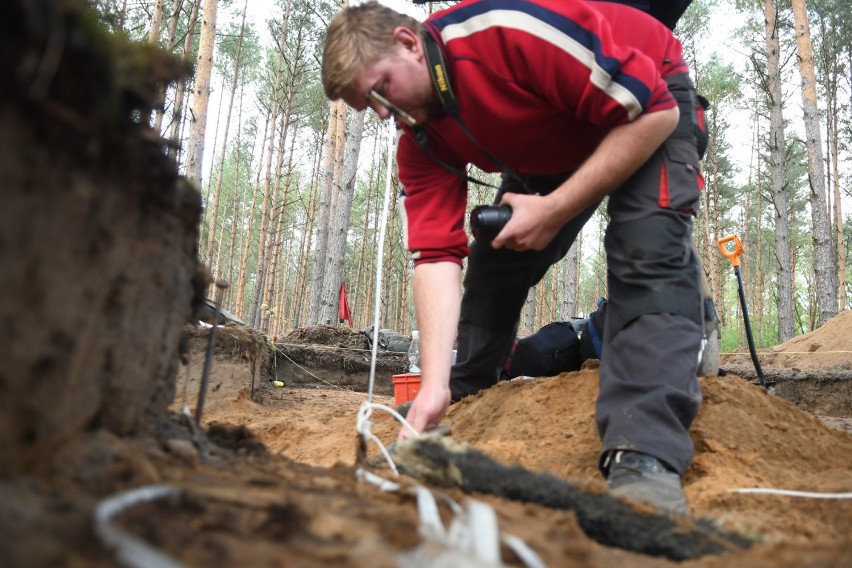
[{"x": 97, "y": 239}]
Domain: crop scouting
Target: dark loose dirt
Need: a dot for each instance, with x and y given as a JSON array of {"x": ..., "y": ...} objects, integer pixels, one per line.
[{"x": 279, "y": 484}]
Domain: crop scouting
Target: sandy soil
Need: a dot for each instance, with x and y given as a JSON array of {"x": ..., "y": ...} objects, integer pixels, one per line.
[
  {"x": 827, "y": 349},
  {"x": 275, "y": 483}
]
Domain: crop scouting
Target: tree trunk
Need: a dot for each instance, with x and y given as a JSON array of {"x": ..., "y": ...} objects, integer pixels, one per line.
[
  {"x": 201, "y": 93},
  {"x": 307, "y": 244},
  {"x": 203, "y": 253},
  {"x": 360, "y": 292},
  {"x": 170, "y": 45},
  {"x": 265, "y": 215},
  {"x": 540, "y": 303},
  {"x": 387, "y": 261},
  {"x": 173, "y": 22},
  {"x": 336, "y": 122},
  {"x": 754, "y": 193},
  {"x": 156, "y": 22},
  {"x": 283, "y": 298},
  {"x": 838, "y": 212},
  {"x": 268, "y": 187},
  {"x": 528, "y": 317},
  {"x": 122, "y": 15},
  {"x": 213, "y": 204},
  {"x": 713, "y": 215},
  {"x": 777, "y": 145},
  {"x": 180, "y": 91},
  {"x": 243, "y": 272},
  {"x": 824, "y": 272},
  {"x": 277, "y": 293},
  {"x": 368, "y": 302},
  {"x": 275, "y": 239},
  {"x": 549, "y": 297},
  {"x": 840, "y": 238},
  {"x": 275, "y": 235},
  {"x": 578, "y": 271},
  {"x": 568, "y": 282},
  {"x": 236, "y": 203},
  {"x": 759, "y": 309},
  {"x": 832, "y": 73},
  {"x": 268, "y": 230},
  {"x": 344, "y": 186},
  {"x": 601, "y": 281}
]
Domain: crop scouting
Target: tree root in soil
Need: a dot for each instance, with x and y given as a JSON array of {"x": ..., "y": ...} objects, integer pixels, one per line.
[{"x": 604, "y": 518}]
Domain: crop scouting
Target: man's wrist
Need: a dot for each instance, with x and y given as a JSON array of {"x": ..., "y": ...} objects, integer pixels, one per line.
[{"x": 562, "y": 204}]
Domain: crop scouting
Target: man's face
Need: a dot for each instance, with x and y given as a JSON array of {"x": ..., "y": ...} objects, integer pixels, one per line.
[{"x": 402, "y": 78}]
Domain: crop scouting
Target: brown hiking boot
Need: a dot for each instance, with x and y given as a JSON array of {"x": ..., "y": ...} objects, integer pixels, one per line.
[{"x": 642, "y": 477}]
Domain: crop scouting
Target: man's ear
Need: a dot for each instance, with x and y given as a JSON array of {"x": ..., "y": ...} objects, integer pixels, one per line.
[{"x": 409, "y": 40}]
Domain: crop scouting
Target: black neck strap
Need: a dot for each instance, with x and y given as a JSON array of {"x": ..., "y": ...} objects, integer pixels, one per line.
[
  {"x": 442, "y": 81},
  {"x": 440, "y": 73}
]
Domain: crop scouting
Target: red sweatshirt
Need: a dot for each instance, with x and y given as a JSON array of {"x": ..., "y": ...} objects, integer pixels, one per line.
[{"x": 539, "y": 84}]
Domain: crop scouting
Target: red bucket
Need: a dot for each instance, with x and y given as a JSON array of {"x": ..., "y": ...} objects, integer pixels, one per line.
[{"x": 405, "y": 387}]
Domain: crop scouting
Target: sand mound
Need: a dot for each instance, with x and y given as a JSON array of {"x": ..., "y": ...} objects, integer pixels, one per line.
[
  {"x": 743, "y": 437},
  {"x": 826, "y": 348}
]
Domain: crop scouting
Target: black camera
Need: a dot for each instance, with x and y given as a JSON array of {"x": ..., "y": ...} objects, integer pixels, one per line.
[{"x": 486, "y": 221}]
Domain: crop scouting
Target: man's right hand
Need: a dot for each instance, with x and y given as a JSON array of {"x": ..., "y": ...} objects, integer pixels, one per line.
[
  {"x": 428, "y": 409},
  {"x": 437, "y": 296}
]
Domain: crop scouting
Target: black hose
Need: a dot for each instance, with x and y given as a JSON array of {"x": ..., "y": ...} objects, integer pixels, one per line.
[{"x": 767, "y": 386}]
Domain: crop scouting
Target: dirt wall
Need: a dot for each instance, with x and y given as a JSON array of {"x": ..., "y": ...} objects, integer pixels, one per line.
[
  {"x": 97, "y": 235},
  {"x": 330, "y": 356},
  {"x": 242, "y": 361}
]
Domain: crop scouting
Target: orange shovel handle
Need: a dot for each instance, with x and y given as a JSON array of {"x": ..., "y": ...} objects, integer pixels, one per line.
[{"x": 733, "y": 255}]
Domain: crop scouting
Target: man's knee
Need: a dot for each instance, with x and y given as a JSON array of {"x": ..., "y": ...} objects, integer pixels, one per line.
[{"x": 652, "y": 269}]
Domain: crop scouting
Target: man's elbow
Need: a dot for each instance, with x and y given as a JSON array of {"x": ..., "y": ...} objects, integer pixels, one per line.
[
  {"x": 659, "y": 125},
  {"x": 672, "y": 118}
]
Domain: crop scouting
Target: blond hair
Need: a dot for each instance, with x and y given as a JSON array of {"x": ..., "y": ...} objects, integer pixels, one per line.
[{"x": 357, "y": 37}]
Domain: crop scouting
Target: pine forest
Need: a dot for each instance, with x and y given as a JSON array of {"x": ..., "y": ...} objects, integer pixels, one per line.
[{"x": 300, "y": 199}]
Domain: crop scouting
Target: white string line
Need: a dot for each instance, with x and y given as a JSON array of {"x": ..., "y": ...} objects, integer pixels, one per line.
[
  {"x": 131, "y": 550},
  {"x": 364, "y": 424},
  {"x": 379, "y": 258},
  {"x": 314, "y": 376},
  {"x": 364, "y": 428},
  {"x": 336, "y": 347},
  {"x": 396, "y": 415},
  {"x": 770, "y": 353},
  {"x": 791, "y": 493},
  {"x": 469, "y": 524},
  {"x": 383, "y": 484}
]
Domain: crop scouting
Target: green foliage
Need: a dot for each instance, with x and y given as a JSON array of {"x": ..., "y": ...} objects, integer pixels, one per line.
[
  {"x": 692, "y": 29},
  {"x": 117, "y": 17},
  {"x": 250, "y": 52}
]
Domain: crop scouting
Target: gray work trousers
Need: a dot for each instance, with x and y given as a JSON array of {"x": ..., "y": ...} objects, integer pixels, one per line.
[{"x": 649, "y": 393}]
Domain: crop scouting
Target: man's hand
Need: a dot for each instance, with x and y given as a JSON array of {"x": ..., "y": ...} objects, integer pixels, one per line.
[
  {"x": 428, "y": 409},
  {"x": 533, "y": 225}
]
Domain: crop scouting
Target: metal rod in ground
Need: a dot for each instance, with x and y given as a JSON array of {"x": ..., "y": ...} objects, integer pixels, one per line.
[
  {"x": 211, "y": 347},
  {"x": 749, "y": 337}
]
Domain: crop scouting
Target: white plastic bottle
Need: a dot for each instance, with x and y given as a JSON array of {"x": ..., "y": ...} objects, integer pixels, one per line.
[{"x": 414, "y": 352}]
